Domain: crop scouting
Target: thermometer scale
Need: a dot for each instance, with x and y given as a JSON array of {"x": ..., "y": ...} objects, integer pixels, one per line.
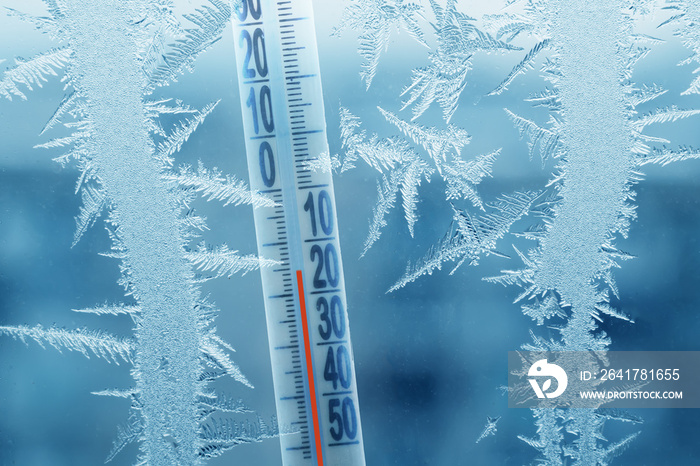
[{"x": 305, "y": 304}]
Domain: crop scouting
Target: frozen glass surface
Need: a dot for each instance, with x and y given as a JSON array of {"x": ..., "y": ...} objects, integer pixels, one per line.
[{"x": 431, "y": 356}]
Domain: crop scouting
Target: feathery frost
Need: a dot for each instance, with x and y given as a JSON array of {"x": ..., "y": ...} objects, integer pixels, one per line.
[
  {"x": 686, "y": 19},
  {"x": 404, "y": 162},
  {"x": 375, "y": 20},
  {"x": 403, "y": 168},
  {"x": 525, "y": 65},
  {"x": 224, "y": 262},
  {"x": 110, "y": 309},
  {"x": 126, "y": 434},
  {"x": 214, "y": 186},
  {"x": 111, "y": 64},
  {"x": 468, "y": 238},
  {"x": 100, "y": 344},
  {"x": 221, "y": 435},
  {"x": 436, "y": 142},
  {"x": 323, "y": 163},
  {"x": 458, "y": 40},
  {"x": 209, "y": 21},
  {"x": 568, "y": 277},
  {"x": 182, "y": 132},
  {"x": 33, "y": 72},
  {"x": 545, "y": 141},
  {"x": 94, "y": 201},
  {"x": 489, "y": 429}
]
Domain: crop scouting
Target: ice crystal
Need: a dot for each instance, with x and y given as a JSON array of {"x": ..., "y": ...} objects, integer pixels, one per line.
[
  {"x": 212, "y": 185},
  {"x": 32, "y": 72},
  {"x": 587, "y": 425},
  {"x": 126, "y": 434},
  {"x": 394, "y": 155},
  {"x": 209, "y": 22},
  {"x": 173, "y": 143},
  {"x": 573, "y": 138},
  {"x": 94, "y": 201},
  {"x": 458, "y": 39},
  {"x": 686, "y": 15},
  {"x": 665, "y": 156},
  {"x": 324, "y": 163},
  {"x": 546, "y": 141},
  {"x": 403, "y": 168},
  {"x": 100, "y": 344},
  {"x": 219, "y": 436},
  {"x": 438, "y": 143},
  {"x": 115, "y": 53},
  {"x": 526, "y": 64},
  {"x": 549, "y": 436},
  {"x": 597, "y": 137},
  {"x": 541, "y": 311},
  {"x": 375, "y": 20},
  {"x": 468, "y": 238},
  {"x": 404, "y": 162},
  {"x": 224, "y": 262},
  {"x": 110, "y": 309},
  {"x": 489, "y": 428}
]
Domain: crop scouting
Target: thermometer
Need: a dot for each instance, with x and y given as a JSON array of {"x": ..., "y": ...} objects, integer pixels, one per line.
[{"x": 305, "y": 304}]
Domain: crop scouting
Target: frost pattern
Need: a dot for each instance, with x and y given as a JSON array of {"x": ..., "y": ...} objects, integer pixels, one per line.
[
  {"x": 214, "y": 186},
  {"x": 468, "y": 238},
  {"x": 599, "y": 159},
  {"x": 100, "y": 344},
  {"x": 403, "y": 168},
  {"x": 687, "y": 17},
  {"x": 323, "y": 163},
  {"x": 32, "y": 72},
  {"x": 458, "y": 40},
  {"x": 404, "y": 162},
  {"x": 489, "y": 429},
  {"x": 115, "y": 53},
  {"x": 597, "y": 136},
  {"x": 376, "y": 19},
  {"x": 457, "y": 36}
]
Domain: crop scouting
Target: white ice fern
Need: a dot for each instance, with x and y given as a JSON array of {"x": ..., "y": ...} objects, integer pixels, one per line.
[
  {"x": 458, "y": 40},
  {"x": 114, "y": 54},
  {"x": 375, "y": 20},
  {"x": 686, "y": 16},
  {"x": 469, "y": 238},
  {"x": 597, "y": 137},
  {"x": 403, "y": 167}
]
